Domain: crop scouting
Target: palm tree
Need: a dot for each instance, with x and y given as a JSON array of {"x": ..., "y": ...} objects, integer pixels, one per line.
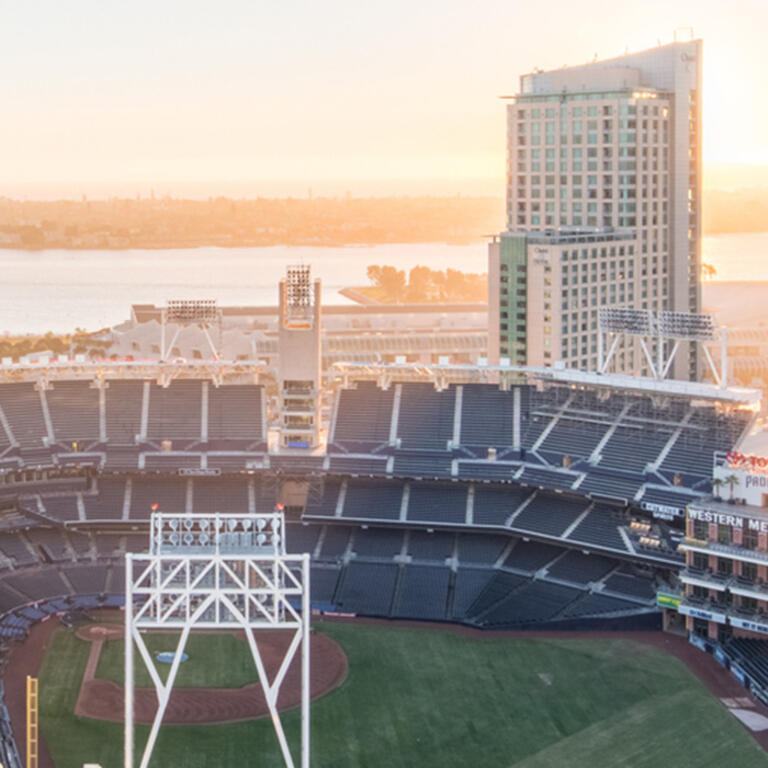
[
  {"x": 732, "y": 480},
  {"x": 717, "y": 484}
]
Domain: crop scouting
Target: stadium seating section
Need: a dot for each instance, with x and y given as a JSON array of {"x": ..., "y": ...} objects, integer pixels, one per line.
[
  {"x": 131, "y": 425},
  {"x": 472, "y": 504},
  {"x": 750, "y": 655},
  {"x": 610, "y": 444},
  {"x": 481, "y": 579}
]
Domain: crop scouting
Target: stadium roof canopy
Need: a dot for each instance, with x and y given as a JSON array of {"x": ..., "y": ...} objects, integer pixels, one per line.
[
  {"x": 64, "y": 368},
  {"x": 689, "y": 389},
  {"x": 444, "y": 374}
]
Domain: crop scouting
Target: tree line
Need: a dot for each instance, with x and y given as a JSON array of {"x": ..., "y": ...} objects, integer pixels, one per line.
[{"x": 423, "y": 285}]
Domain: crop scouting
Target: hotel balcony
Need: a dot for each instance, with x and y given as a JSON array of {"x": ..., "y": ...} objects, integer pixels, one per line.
[
  {"x": 746, "y": 588},
  {"x": 736, "y": 585},
  {"x": 726, "y": 550},
  {"x": 707, "y": 579}
]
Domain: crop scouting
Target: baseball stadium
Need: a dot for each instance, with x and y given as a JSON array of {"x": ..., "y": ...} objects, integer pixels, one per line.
[{"x": 504, "y": 566}]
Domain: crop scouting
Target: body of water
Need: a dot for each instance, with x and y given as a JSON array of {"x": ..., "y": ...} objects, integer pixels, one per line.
[
  {"x": 738, "y": 257},
  {"x": 61, "y": 290}
]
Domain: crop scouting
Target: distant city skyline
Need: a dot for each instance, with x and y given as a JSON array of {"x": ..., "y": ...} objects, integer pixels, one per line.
[
  {"x": 716, "y": 176},
  {"x": 246, "y": 98}
]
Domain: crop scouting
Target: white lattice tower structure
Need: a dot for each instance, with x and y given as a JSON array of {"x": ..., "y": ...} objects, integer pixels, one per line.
[
  {"x": 667, "y": 330},
  {"x": 217, "y": 571},
  {"x": 205, "y": 313}
]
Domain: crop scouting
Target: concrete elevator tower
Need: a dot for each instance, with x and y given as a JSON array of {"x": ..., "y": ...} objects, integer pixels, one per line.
[{"x": 300, "y": 371}]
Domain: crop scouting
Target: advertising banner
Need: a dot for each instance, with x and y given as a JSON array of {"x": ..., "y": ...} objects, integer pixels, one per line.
[
  {"x": 738, "y": 673},
  {"x": 662, "y": 511},
  {"x": 699, "y": 642},
  {"x": 701, "y": 613},
  {"x": 665, "y": 600},
  {"x": 752, "y": 626}
]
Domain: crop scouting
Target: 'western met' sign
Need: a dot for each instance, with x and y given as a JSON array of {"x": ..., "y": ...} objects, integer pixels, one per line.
[{"x": 721, "y": 518}]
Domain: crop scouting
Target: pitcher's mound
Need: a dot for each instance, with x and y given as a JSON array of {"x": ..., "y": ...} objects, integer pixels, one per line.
[
  {"x": 103, "y": 699},
  {"x": 93, "y": 632}
]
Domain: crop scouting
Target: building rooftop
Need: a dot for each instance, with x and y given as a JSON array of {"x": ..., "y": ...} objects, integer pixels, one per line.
[
  {"x": 640, "y": 70},
  {"x": 587, "y": 94},
  {"x": 569, "y": 235},
  {"x": 145, "y": 312}
]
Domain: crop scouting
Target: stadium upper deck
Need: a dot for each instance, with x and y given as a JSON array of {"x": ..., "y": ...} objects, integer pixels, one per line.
[
  {"x": 651, "y": 442},
  {"x": 591, "y": 466},
  {"x": 600, "y": 437},
  {"x": 628, "y": 445}
]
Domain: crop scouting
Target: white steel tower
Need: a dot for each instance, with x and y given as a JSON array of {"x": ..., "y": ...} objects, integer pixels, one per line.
[{"x": 218, "y": 571}]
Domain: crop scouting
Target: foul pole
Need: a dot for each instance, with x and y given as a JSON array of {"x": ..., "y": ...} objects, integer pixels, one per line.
[{"x": 32, "y": 714}]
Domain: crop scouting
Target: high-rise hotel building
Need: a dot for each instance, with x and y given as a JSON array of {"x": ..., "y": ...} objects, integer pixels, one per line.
[{"x": 603, "y": 206}]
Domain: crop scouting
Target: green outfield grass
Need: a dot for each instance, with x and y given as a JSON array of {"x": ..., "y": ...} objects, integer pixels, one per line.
[
  {"x": 420, "y": 697},
  {"x": 215, "y": 661}
]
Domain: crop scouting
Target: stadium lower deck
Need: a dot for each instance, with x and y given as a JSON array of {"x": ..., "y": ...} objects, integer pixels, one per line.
[{"x": 524, "y": 508}]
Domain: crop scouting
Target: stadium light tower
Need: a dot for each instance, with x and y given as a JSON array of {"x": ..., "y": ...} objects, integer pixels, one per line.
[
  {"x": 300, "y": 366},
  {"x": 183, "y": 312},
  {"x": 665, "y": 329},
  {"x": 218, "y": 571}
]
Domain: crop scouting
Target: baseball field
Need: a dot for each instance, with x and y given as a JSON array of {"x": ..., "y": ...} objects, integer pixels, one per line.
[{"x": 413, "y": 696}]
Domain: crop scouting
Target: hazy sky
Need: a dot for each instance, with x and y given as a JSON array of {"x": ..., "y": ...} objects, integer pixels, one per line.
[{"x": 169, "y": 92}]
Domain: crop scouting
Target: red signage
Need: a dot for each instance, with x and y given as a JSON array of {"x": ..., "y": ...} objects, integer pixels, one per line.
[{"x": 748, "y": 462}]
